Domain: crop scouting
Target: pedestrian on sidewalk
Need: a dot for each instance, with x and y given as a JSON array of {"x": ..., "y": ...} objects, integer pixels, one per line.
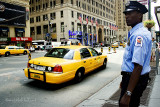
[
  {"x": 136, "y": 59},
  {"x": 153, "y": 54}
]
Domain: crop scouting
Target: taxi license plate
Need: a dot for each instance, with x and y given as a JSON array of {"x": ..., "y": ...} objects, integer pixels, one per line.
[{"x": 36, "y": 76}]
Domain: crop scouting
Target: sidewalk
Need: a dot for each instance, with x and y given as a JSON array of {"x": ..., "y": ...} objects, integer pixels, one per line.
[
  {"x": 109, "y": 95},
  {"x": 154, "y": 100}
]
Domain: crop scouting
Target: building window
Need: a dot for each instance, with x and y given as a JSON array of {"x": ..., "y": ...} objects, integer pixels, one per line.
[
  {"x": 19, "y": 32},
  {"x": 71, "y": 1},
  {"x": 62, "y": 26},
  {"x": 54, "y": 28},
  {"x": 61, "y": 14},
  {"x": 38, "y": 30},
  {"x": 46, "y": 5},
  {"x": 38, "y": 19},
  {"x": 45, "y": 17},
  {"x": 72, "y": 14},
  {"x": 51, "y": 4},
  {"x": 53, "y": 16},
  {"x": 54, "y": 3},
  {"x": 32, "y": 20},
  {"x": 78, "y": 27},
  {"x": 32, "y": 30},
  {"x": 45, "y": 29},
  {"x": 72, "y": 26},
  {"x": 62, "y": 1},
  {"x": 4, "y": 32}
]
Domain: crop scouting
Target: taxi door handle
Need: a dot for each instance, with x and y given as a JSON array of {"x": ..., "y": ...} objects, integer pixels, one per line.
[{"x": 84, "y": 61}]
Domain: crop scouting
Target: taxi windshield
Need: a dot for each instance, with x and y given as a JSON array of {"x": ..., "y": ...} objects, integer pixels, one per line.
[{"x": 61, "y": 53}]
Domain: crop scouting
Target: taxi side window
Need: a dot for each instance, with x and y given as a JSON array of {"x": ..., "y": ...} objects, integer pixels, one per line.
[
  {"x": 93, "y": 51},
  {"x": 85, "y": 53},
  {"x": 11, "y": 48}
]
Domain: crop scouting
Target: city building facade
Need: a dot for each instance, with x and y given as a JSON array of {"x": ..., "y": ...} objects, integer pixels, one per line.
[
  {"x": 88, "y": 21},
  {"x": 120, "y": 20},
  {"x": 14, "y": 23}
]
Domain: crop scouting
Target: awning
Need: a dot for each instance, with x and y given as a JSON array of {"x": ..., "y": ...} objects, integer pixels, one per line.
[
  {"x": 4, "y": 29},
  {"x": 19, "y": 30}
]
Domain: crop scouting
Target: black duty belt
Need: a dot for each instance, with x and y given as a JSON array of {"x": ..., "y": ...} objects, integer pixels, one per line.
[{"x": 129, "y": 74}]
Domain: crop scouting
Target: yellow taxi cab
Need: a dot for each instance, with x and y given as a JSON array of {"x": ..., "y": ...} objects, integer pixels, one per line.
[
  {"x": 121, "y": 43},
  {"x": 115, "y": 45},
  {"x": 65, "y": 63},
  {"x": 9, "y": 50}
]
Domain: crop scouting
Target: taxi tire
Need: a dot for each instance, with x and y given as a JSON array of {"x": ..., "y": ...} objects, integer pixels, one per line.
[
  {"x": 79, "y": 76},
  {"x": 7, "y": 54},
  {"x": 25, "y": 52},
  {"x": 104, "y": 64}
]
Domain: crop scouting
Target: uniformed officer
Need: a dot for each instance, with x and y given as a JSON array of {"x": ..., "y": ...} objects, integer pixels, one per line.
[{"x": 136, "y": 59}]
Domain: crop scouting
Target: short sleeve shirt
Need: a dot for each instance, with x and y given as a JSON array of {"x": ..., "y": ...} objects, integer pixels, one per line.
[{"x": 138, "y": 49}]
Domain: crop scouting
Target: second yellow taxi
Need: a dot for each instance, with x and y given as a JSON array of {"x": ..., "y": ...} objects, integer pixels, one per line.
[
  {"x": 65, "y": 63},
  {"x": 10, "y": 50}
]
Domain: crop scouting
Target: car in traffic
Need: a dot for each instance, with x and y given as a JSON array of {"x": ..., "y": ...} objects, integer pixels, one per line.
[
  {"x": 32, "y": 49},
  {"x": 10, "y": 50},
  {"x": 115, "y": 45},
  {"x": 65, "y": 63}
]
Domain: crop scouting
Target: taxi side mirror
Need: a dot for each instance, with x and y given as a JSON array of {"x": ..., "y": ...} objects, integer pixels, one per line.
[{"x": 99, "y": 53}]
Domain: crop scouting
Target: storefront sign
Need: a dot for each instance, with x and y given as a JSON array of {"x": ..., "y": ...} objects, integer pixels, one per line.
[
  {"x": 73, "y": 33},
  {"x": 21, "y": 39}
]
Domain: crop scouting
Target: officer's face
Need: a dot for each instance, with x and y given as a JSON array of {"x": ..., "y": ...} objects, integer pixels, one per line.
[{"x": 133, "y": 18}]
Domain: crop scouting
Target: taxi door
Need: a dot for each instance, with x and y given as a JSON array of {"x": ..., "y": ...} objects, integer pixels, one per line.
[
  {"x": 17, "y": 50},
  {"x": 11, "y": 49},
  {"x": 96, "y": 58},
  {"x": 86, "y": 59}
]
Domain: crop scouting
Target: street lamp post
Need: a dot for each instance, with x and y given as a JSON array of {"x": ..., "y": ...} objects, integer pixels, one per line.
[
  {"x": 157, "y": 13},
  {"x": 64, "y": 30},
  {"x": 49, "y": 24}
]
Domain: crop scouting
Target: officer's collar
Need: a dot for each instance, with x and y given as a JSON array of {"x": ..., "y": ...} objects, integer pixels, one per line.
[{"x": 139, "y": 25}]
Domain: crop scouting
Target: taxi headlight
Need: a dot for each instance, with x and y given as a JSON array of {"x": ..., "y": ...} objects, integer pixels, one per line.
[
  {"x": 49, "y": 68},
  {"x": 31, "y": 65},
  {"x": 35, "y": 67}
]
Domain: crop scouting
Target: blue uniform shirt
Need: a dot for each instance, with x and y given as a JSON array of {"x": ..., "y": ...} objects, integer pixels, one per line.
[{"x": 138, "y": 49}]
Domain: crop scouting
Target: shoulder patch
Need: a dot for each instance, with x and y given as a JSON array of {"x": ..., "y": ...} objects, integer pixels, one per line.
[{"x": 139, "y": 40}]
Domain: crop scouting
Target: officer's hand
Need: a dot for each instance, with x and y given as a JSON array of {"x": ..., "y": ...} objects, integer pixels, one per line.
[
  {"x": 120, "y": 85},
  {"x": 125, "y": 101}
]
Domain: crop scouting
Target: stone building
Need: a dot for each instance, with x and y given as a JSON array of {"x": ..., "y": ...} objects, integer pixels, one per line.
[
  {"x": 89, "y": 21},
  {"x": 120, "y": 20},
  {"x": 14, "y": 23}
]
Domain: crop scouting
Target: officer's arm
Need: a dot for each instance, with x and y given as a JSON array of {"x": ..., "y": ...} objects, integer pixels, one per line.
[{"x": 134, "y": 77}]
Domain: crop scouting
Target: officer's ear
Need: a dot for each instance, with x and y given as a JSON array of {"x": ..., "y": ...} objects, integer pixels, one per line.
[{"x": 140, "y": 16}]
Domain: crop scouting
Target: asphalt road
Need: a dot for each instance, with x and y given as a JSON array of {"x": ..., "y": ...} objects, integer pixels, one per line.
[{"x": 18, "y": 91}]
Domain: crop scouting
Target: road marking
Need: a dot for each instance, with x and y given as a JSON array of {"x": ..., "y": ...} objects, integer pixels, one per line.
[{"x": 9, "y": 73}]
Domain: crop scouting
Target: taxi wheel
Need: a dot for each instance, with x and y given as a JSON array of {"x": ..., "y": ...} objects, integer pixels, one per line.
[
  {"x": 7, "y": 54},
  {"x": 79, "y": 76},
  {"x": 25, "y": 52},
  {"x": 104, "y": 64}
]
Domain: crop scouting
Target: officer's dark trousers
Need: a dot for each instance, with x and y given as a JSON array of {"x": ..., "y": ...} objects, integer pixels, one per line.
[{"x": 137, "y": 92}]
